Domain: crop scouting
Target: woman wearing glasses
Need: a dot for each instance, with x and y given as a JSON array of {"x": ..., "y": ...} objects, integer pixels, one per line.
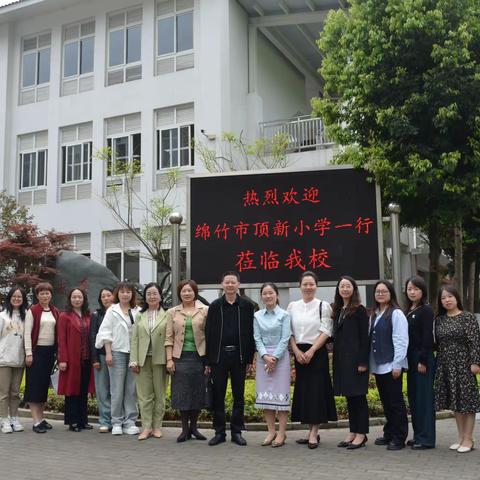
[{"x": 388, "y": 358}]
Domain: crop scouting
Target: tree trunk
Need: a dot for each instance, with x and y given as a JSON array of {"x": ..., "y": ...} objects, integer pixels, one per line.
[
  {"x": 458, "y": 278},
  {"x": 471, "y": 286},
  {"x": 433, "y": 257}
]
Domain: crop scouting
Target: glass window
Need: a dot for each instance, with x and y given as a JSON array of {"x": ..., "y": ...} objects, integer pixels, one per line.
[
  {"x": 132, "y": 266},
  {"x": 44, "y": 66},
  {"x": 87, "y": 161},
  {"x": 86, "y": 55},
  {"x": 42, "y": 168},
  {"x": 175, "y": 147},
  {"x": 116, "y": 48},
  {"x": 185, "y": 31},
  {"x": 134, "y": 43},
  {"x": 77, "y": 162},
  {"x": 33, "y": 168},
  {"x": 29, "y": 69},
  {"x": 114, "y": 264},
  {"x": 70, "y": 59},
  {"x": 166, "y": 36}
]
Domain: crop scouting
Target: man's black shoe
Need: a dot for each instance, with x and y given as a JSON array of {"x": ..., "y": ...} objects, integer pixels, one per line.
[
  {"x": 238, "y": 439},
  {"x": 217, "y": 439},
  {"x": 395, "y": 446},
  {"x": 39, "y": 428},
  {"x": 45, "y": 425},
  {"x": 419, "y": 446},
  {"x": 382, "y": 441}
]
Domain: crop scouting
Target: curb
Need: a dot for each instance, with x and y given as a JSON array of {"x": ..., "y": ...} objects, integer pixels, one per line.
[{"x": 250, "y": 427}]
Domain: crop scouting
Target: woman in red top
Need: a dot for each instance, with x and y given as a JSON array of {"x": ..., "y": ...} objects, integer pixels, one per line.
[{"x": 76, "y": 379}]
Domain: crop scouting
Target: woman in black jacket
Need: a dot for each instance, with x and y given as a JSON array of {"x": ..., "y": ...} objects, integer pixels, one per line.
[
  {"x": 100, "y": 369},
  {"x": 421, "y": 364},
  {"x": 350, "y": 358}
]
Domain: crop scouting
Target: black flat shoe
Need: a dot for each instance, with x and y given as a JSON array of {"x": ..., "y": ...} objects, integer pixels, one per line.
[
  {"x": 354, "y": 446},
  {"x": 196, "y": 434},
  {"x": 305, "y": 441},
  {"x": 87, "y": 426},
  {"x": 312, "y": 446},
  {"x": 419, "y": 446},
  {"x": 183, "y": 437},
  {"x": 39, "y": 428},
  {"x": 395, "y": 446},
  {"x": 217, "y": 439},
  {"x": 74, "y": 428},
  {"x": 382, "y": 441},
  {"x": 238, "y": 439},
  {"x": 46, "y": 425},
  {"x": 343, "y": 444},
  {"x": 410, "y": 442}
]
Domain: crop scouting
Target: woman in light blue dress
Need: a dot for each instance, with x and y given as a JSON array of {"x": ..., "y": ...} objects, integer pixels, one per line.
[{"x": 272, "y": 333}]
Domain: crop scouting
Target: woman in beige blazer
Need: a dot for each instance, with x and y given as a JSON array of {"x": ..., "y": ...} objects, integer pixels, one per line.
[
  {"x": 147, "y": 360},
  {"x": 185, "y": 346}
]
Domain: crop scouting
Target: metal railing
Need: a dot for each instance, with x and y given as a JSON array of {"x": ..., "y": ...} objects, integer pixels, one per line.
[{"x": 303, "y": 133}]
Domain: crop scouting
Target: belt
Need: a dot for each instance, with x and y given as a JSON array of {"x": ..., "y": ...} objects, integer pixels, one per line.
[{"x": 230, "y": 348}]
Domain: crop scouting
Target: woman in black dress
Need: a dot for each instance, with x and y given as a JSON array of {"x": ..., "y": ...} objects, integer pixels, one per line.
[
  {"x": 458, "y": 362},
  {"x": 350, "y": 358},
  {"x": 421, "y": 364}
]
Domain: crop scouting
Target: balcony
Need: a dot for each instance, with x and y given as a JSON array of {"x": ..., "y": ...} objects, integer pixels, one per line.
[{"x": 303, "y": 133}]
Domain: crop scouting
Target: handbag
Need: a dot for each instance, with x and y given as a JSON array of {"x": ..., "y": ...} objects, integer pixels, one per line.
[{"x": 54, "y": 378}]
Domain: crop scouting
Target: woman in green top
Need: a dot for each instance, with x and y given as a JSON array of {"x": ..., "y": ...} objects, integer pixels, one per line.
[{"x": 185, "y": 347}]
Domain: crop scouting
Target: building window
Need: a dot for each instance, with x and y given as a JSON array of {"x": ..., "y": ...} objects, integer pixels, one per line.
[
  {"x": 78, "y": 49},
  {"x": 77, "y": 162},
  {"x": 35, "y": 68},
  {"x": 124, "y": 46},
  {"x": 122, "y": 256},
  {"x": 33, "y": 169},
  {"x": 175, "y": 134},
  {"x": 125, "y": 155},
  {"x": 175, "y": 148},
  {"x": 81, "y": 243},
  {"x": 174, "y": 46}
]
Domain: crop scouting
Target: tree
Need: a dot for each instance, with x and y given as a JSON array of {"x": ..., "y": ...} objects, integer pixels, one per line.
[
  {"x": 236, "y": 155},
  {"x": 27, "y": 256},
  {"x": 402, "y": 96},
  {"x": 126, "y": 204}
]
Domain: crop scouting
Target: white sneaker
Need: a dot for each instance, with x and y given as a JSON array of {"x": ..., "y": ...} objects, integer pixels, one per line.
[
  {"x": 131, "y": 430},
  {"x": 103, "y": 429},
  {"x": 16, "y": 425},
  {"x": 6, "y": 427},
  {"x": 117, "y": 430}
]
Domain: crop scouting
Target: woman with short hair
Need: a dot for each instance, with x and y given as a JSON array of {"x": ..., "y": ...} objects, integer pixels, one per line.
[
  {"x": 12, "y": 358},
  {"x": 40, "y": 345}
]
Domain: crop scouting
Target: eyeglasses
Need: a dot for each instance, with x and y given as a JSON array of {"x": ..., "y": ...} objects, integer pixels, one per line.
[{"x": 382, "y": 292}]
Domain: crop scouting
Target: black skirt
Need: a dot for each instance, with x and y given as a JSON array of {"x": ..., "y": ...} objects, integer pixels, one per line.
[
  {"x": 189, "y": 383},
  {"x": 37, "y": 377},
  {"x": 313, "y": 400}
]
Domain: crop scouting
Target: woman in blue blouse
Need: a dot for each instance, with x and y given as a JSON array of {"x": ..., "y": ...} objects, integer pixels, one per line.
[{"x": 271, "y": 328}]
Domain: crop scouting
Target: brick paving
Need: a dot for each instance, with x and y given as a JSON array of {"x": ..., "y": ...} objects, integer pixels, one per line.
[{"x": 63, "y": 455}]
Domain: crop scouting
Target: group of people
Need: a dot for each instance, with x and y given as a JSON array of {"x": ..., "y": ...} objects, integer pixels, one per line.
[{"x": 126, "y": 353}]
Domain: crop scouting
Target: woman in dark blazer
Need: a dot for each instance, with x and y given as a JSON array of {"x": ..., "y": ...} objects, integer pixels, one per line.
[
  {"x": 421, "y": 364},
  {"x": 350, "y": 358}
]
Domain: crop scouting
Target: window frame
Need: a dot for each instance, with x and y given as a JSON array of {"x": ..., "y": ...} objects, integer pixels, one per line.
[
  {"x": 123, "y": 252},
  {"x": 37, "y": 50},
  {"x": 125, "y": 64},
  {"x": 64, "y": 159},
  {"x": 130, "y": 156},
  {"x": 175, "y": 16},
  {"x": 191, "y": 150},
  {"x": 37, "y": 186},
  {"x": 79, "y": 51}
]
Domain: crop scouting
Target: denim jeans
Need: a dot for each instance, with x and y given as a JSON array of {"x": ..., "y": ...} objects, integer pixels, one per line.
[
  {"x": 102, "y": 389},
  {"x": 122, "y": 388}
]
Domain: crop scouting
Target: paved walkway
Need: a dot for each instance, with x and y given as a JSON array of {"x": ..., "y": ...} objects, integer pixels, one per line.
[{"x": 63, "y": 455}]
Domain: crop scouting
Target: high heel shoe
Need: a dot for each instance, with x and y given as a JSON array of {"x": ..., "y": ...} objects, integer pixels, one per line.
[
  {"x": 196, "y": 434},
  {"x": 267, "y": 443},
  {"x": 276, "y": 444},
  {"x": 354, "y": 446},
  {"x": 454, "y": 446},
  {"x": 313, "y": 445}
]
